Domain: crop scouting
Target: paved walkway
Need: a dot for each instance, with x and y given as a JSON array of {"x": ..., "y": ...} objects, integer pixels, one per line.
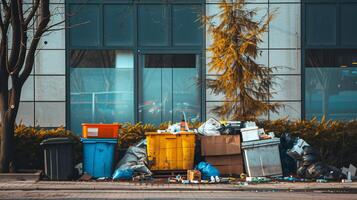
[
  {"x": 175, "y": 195},
  {"x": 281, "y": 186}
]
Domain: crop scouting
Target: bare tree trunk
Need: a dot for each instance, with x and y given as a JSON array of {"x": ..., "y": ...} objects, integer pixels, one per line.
[{"x": 6, "y": 145}]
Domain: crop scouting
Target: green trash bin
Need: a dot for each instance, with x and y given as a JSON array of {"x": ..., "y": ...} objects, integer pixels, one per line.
[{"x": 58, "y": 158}]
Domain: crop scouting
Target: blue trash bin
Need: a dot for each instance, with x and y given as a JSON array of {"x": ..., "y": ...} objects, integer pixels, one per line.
[{"x": 98, "y": 156}]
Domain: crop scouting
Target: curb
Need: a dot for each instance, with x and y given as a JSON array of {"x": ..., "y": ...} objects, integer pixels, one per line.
[{"x": 252, "y": 189}]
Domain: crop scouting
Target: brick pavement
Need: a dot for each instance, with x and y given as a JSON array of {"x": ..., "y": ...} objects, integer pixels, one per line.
[{"x": 76, "y": 185}]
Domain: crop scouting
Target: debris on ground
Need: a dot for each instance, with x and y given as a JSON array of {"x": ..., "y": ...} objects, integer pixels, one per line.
[
  {"x": 207, "y": 170},
  {"x": 85, "y": 177},
  {"x": 310, "y": 164},
  {"x": 133, "y": 163}
]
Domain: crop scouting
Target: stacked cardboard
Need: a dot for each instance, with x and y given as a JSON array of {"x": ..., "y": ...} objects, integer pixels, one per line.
[{"x": 224, "y": 153}]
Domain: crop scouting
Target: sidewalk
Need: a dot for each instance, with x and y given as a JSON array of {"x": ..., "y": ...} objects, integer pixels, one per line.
[{"x": 74, "y": 185}]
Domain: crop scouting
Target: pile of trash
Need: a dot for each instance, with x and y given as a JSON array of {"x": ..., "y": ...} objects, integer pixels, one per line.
[
  {"x": 298, "y": 153},
  {"x": 134, "y": 163}
]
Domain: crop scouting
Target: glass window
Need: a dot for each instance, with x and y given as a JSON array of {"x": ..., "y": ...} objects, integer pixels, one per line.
[
  {"x": 348, "y": 29},
  {"x": 169, "y": 88},
  {"x": 84, "y": 23},
  {"x": 321, "y": 24},
  {"x": 187, "y": 25},
  {"x": 331, "y": 84},
  {"x": 153, "y": 25},
  {"x": 118, "y": 25},
  {"x": 102, "y": 83}
]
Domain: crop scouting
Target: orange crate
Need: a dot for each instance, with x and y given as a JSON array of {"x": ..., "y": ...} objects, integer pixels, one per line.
[{"x": 100, "y": 130}]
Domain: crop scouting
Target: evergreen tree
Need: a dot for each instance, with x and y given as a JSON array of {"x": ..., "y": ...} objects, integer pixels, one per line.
[{"x": 244, "y": 83}]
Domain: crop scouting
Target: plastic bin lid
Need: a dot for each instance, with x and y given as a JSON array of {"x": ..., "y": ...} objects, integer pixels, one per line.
[
  {"x": 98, "y": 140},
  {"x": 58, "y": 140},
  {"x": 259, "y": 143}
]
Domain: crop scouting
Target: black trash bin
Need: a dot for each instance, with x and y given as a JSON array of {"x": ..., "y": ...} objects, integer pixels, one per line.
[{"x": 58, "y": 158}]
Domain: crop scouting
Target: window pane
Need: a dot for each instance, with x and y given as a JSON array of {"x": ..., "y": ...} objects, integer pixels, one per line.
[
  {"x": 187, "y": 25},
  {"x": 330, "y": 57},
  {"x": 348, "y": 29},
  {"x": 102, "y": 84},
  {"x": 168, "y": 91},
  {"x": 321, "y": 24},
  {"x": 331, "y": 92},
  {"x": 118, "y": 25},
  {"x": 170, "y": 61},
  {"x": 85, "y": 25},
  {"x": 153, "y": 25}
]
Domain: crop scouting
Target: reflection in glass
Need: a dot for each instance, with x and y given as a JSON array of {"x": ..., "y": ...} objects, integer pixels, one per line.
[
  {"x": 169, "y": 88},
  {"x": 331, "y": 84},
  {"x": 101, "y": 87},
  {"x": 153, "y": 25}
]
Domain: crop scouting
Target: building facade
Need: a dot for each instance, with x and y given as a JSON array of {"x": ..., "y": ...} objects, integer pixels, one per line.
[{"x": 143, "y": 60}]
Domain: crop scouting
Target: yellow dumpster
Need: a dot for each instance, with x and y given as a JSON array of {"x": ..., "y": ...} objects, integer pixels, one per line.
[{"x": 168, "y": 151}]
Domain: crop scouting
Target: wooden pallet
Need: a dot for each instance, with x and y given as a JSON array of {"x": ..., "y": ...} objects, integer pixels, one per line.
[{"x": 169, "y": 173}]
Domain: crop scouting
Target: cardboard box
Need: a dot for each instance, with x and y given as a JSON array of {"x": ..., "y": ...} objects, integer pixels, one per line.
[
  {"x": 220, "y": 145},
  {"x": 227, "y": 164}
]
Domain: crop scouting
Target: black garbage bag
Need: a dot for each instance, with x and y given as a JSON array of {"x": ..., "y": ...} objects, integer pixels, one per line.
[
  {"x": 310, "y": 156},
  {"x": 288, "y": 164},
  {"x": 320, "y": 170}
]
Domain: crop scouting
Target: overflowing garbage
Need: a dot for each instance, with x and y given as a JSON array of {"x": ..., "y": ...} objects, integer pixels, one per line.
[
  {"x": 221, "y": 152},
  {"x": 133, "y": 163}
]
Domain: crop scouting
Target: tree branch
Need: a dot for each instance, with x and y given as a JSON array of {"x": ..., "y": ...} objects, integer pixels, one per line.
[
  {"x": 44, "y": 20},
  {"x": 32, "y": 13},
  {"x": 23, "y": 45},
  {"x": 16, "y": 35}
]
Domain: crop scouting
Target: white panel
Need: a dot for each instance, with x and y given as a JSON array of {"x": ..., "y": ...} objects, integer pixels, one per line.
[
  {"x": 284, "y": 1},
  {"x": 213, "y": 97},
  {"x": 285, "y": 27},
  {"x": 261, "y": 13},
  {"x": 209, "y": 107},
  {"x": 57, "y": 15},
  {"x": 53, "y": 39},
  {"x": 50, "y": 114},
  {"x": 50, "y": 62},
  {"x": 286, "y": 61},
  {"x": 262, "y": 59},
  {"x": 291, "y": 110},
  {"x": 50, "y": 88},
  {"x": 211, "y": 9},
  {"x": 27, "y": 92},
  {"x": 287, "y": 88},
  {"x": 25, "y": 114}
]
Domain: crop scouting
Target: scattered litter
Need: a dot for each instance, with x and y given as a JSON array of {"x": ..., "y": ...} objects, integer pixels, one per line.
[
  {"x": 79, "y": 168},
  {"x": 207, "y": 170},
  {"x": 194, "y": 175},
  {"x": 250, "y": 133},
  {"x": 211, "y": 127},
  {"x": 257, "y": 179},
  {"x": 134, "y": 161},
  {"x": 321, "y": 181},
  {"x": 123, "y": 174},
  {"x": 85, "y": 177}
]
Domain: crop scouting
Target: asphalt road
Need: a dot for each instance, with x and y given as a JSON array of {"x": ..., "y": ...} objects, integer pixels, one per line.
[{"x": 150, "y": 195}]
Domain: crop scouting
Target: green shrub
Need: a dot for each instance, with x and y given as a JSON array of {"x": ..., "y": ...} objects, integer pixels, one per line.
[
  {"x": 336, "y": 140},
  {"x": 29, "y": 153}
]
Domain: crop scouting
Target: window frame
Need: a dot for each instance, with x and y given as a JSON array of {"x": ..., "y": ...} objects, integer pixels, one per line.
[{"x": 200, "y": 50}]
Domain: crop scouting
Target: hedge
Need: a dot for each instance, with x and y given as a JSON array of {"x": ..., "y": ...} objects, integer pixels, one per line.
[
  {"x": 29, "y": 153},
  {"x": 336, "y": 140}
]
